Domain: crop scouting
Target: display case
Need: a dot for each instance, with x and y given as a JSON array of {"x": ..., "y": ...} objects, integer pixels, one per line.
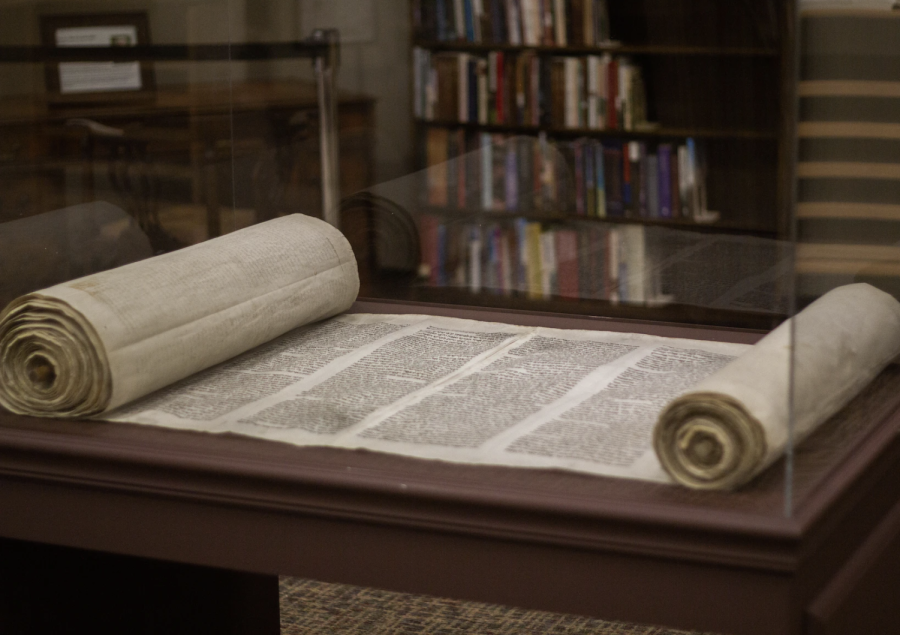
[{"x": 574, "y": 315}]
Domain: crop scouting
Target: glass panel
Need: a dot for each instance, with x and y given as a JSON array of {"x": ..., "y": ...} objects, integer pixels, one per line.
[
  {"x": 848, "y": 190},
  {"x": 636, "y": 163},
  {"x": 631, "y": 161},
  {"x": 613, "y": 151},
  {"x": 106, "y": 162}
]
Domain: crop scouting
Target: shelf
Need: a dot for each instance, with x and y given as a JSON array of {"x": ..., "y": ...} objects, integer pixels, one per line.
[
  {"x": 720, "y": 80},
  {"x": 600, "y": 48},
  {"x": 464, "y": 215},
  {"x": 656, "y": 133}
]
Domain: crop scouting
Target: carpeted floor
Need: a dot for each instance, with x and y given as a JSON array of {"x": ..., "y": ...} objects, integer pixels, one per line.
[{"x": 309, "y": 607}]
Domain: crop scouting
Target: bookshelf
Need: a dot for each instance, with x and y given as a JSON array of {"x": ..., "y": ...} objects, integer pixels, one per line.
[{"x": 562, "y": 139}]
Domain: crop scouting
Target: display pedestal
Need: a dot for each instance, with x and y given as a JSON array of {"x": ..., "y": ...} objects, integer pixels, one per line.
[
  {"x": 720, "y": 562},
  {"x": 51, "y": 590}
]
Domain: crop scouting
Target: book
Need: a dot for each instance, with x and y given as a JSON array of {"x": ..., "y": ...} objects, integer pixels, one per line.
[
  {"x": 499, "y": 168},
  {"x": 635, "y": 261},
  {"x": 592, "y": 90},
  {"x": 478, "y": 20},
  {"x": 511, "y": 174},
  {"x": 613, "y": 179},
  {"x": 494, "y": 97},
  {"x": 561, "y": 20},
  {"x": 522, "y": 279},
  {"x": 474, "y": 252},
  {"x": 665, "y": 180},
  {"x": 579, "y": 170},
  {"x": 567, "y": 263},
  {"x": 653, "y": 186},
  {"x": 547, "y": 250},
  {"x": 531, "y": 21},
  {"x": 587, "y": 265},
  {"x": 533, "y": 260},
  {"x": 428, "y": 240},
  {"x": 459, "y": 20},
  {"x": 635, "y": 194},
  {"x": 514, "y": 22},
  {"x": 472, "y": 165},
  {"x": 548, "y": 37},
  {"x": 437, "y": 142},
  {"x": 452, "y": 171},
  {"x": 612, "y": 94},
  {"x": 525, "y": 181},
  {"x": 575, "y": 22},
  {"x": 487, "y": 170},
  {"x": 599, "y": 282},
  {"x": 469, "y": 19},
  {"x": 442, "y": 243},
  {"x": 573, "y": 92},
  {"x": 507, "y": 258},
  {"x": 600, "y": 179},
  {"x": 590, "y": 187},
  {"x": 629, "y": 198},
  {"x": 674, "y": 183}
]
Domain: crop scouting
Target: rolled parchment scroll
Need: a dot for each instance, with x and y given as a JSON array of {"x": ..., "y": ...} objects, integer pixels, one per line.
[
  {"x": 90, "y": 345},
  {"x": 736, "y": 422}
]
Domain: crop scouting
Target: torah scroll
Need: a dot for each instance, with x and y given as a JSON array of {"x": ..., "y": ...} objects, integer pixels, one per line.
[
  {"x": 736, "y": 422},
  {"x": 90, "y": 345},
  {"x": 439, "y": 388}
]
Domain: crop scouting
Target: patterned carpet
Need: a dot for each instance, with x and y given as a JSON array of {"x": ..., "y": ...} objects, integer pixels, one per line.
[{"x": 309, "y": 607}]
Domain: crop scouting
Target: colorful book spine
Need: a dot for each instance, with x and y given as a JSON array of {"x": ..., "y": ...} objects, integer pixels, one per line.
[
  {"x": 587, "y": 261},
  {"x": 470, "y": 171},
  {"x": 600, "y": 180},
  {"x": 474, "y": 253},
  {"x": 567, "y": 263},
  {"x": 524, "y": 88},
  {"x": 529, "y": 22},
  {"x": 653, "y": 195},
  {"x": 533, "y": 260},
  {"x": 665, "y": 180}
]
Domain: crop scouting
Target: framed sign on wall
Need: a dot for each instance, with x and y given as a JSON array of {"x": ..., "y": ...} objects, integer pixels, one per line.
[{"x": 92, "y": 81}]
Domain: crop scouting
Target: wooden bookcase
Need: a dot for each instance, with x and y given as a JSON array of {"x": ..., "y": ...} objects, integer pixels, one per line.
[{"x": 718, "y": 73}]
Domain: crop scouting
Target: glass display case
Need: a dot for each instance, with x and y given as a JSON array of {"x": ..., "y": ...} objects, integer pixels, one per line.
[{"x": 574, "y": 305}]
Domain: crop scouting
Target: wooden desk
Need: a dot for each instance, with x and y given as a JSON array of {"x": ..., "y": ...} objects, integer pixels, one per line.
[
  {"x": 543, "y": 539},
  {"x": 191, "y": 137}
]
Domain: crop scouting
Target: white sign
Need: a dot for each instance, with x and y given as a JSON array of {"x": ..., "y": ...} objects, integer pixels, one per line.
[{"x": 93, "y": 77}]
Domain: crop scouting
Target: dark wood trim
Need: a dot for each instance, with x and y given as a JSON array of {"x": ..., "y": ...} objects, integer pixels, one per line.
[{"x": 867, "y": 579}]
